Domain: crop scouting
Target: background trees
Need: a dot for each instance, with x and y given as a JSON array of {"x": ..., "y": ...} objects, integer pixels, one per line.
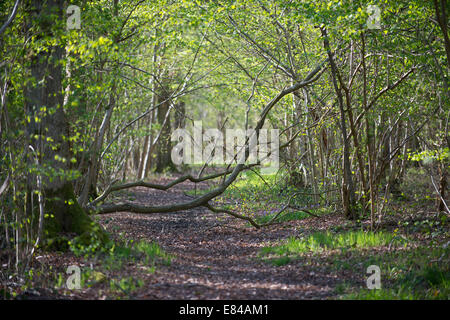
[{"x": 82, "y": 109}]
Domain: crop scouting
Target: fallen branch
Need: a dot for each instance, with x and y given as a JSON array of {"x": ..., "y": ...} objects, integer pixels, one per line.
[
  {"x": 204, "y": 199},
  {"x": 234, "y": 214},
  {"x": 163, "y": 187},
  {"x": 289, "y": 205}
]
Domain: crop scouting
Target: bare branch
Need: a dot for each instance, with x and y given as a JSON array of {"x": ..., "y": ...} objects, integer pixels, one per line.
[{"x": 11, "y": 17}]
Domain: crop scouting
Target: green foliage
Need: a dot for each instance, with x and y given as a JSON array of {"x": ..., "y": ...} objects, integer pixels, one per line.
[
  {"x": 115, "y": 253},
  {"x": 225, "y": 59},
  {"x": 290, "y": 216},
  {"x": 428, "y": 283},
  {"x": 110, "y": 260},
  {"x": 431, "y": 227},
  {"x": 152, "y": 251},
  {"x": 89, "y": 243},
  {"x": 427, "y": 156},
  {"x": 415, "y": 184},
  {"x": 413, "y": 273},
  {"x": 261, "y": 197},
  {"x": 126, "y": 285},
  {"x": 322, "y": 241}
]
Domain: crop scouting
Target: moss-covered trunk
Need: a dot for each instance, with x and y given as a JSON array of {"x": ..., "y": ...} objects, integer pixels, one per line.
[{"x": 66, "y": 218}]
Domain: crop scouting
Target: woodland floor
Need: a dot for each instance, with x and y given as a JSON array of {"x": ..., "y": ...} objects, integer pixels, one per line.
[
  {"x": 214, "y": 257},
  {"x": 216, "y": 261}
]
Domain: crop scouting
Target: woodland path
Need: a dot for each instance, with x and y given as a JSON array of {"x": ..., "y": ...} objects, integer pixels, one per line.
[{"x": 216, "y": 257}]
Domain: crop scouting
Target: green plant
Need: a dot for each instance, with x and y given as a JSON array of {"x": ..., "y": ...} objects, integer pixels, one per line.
[
  {"x": 126, "y": 285},
  {"x": 320, "y": 241},
  {"x": 408, "y": 274},
  {"x": 151, "y": 252}
]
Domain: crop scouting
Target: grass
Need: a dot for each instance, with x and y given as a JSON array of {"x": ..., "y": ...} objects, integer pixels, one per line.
[
  {"x": 290, "y": 216},
  {"x": 126, "y": 285},
  {"x": 112, "y": 260},
  {"x": 152, "y": 251},
  {"x": 261, "y": 197},
  {"x": 408, "y": 271},
  {"x": 147, "y": 253},
  {"x": 251, "y": 187},
  {"x": 431, "y": 282},
  {"x": 120, "y": 250},
  {"x": 418, "y": 273},
  {"x": 321, "y": 241}
]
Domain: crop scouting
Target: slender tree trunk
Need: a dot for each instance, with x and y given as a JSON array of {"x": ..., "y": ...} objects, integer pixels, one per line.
[
  {"x": 148, "y": 155},
  {"x": 163, "y": 160},
  {"x": 348, "y": 192},
  {"x": 311, "y": 151},
  {"x": 353, "y": 129},
  {"x": 369, "y": 134},
  {"x": 90, "y": 185}
]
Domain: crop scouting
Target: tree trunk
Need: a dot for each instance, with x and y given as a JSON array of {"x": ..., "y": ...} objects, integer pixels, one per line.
[
  {"x": 163, "y": 160},
  {"x": 49, "y": 133},
  {"x": 348, "y": 192},
  {"x": 369, "y": 135}
]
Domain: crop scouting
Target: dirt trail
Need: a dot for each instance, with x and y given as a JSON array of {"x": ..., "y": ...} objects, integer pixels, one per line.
[{"x": 216, "y": 257}]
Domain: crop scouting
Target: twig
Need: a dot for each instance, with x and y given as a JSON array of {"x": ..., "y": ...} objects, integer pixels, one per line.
[{"x": 234, "y": 214}]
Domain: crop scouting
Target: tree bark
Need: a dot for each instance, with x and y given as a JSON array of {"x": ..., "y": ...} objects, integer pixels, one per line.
[
  {"x": 49, "y": 132},
  {"x": 441, "y": 16},
  {"x": 163, "y": 160},
  {"x": 348, "y": 192}
]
